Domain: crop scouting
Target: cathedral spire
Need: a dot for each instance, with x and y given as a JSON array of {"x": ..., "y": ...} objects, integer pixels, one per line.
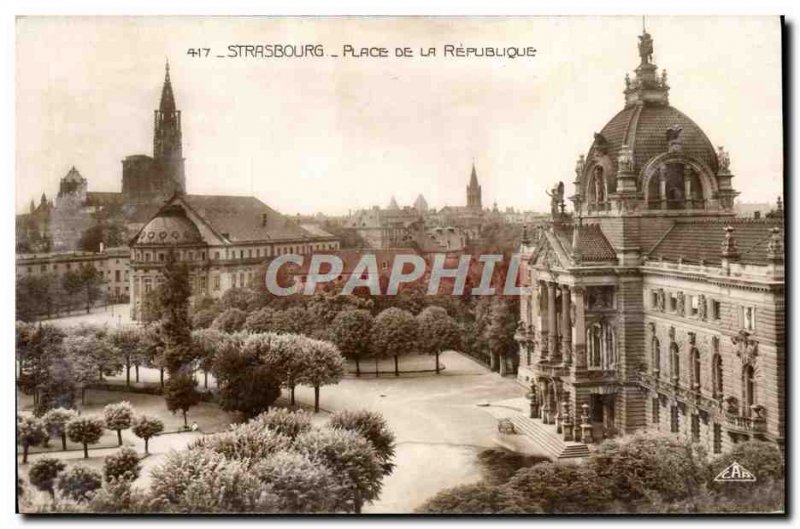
[
  {"x": 474, "y": 190},
  {"x": 167, "y": 97}
]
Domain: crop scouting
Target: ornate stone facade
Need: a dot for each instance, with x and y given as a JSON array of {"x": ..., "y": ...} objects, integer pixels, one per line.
[{"x": 651, "y": 306}]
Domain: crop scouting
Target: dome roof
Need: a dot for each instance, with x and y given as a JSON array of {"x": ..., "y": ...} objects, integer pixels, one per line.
[
  {"x": 644, "y": 128},
  {"x": 170, "y": 227}
]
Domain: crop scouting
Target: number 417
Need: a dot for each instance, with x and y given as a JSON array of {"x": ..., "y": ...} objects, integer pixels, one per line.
[{"x": 198, "y": 52}]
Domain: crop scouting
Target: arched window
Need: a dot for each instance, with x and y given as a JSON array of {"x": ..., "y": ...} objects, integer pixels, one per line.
[
  {"x": 656, "y": 367},
  {"x": 716, "y": 375},
  {"x": 696, "y": 369},
  {"x": 675, "y": 362},
  {"x": 749, "y": 387},
  {"x": 601, "y": 346}
]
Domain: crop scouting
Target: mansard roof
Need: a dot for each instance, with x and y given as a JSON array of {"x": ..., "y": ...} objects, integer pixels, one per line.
[{"x": 695, "y": 240}]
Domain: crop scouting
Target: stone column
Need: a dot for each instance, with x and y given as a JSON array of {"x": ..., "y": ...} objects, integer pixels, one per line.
[
  {"x": 567, "y": 420},
  {"x": 579, "y": 344},
  {"x": 535, "y": 323},
  {"x": 687, "y": 187},
  {"x": 552, "y": 336},
  {"x": 662, "y": 186},
  {"x": 566, "y": 326},
  {"x": 543, "y": 327}
]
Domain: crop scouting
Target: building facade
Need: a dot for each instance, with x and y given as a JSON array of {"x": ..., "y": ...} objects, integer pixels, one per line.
[
  {"x": 225, "y": 241},
  {"x": 651, "y": 306}
]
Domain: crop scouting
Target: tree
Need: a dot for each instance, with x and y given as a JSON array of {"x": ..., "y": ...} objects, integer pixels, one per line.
[
  {"x": 123, "y": 464},
  {"x": 206, "y": 343},
  {"x": 146, "y": 427},
  {"x": 393, "y": 334},
  {"x": 373, "y": 427},
  {"x": 284, "y": 355},
  {"x": 56, "y": 420},
  {"x": 85, "y": 430},
  {"x": 72, "y": 285},
  {"x": 438, "y": 332},
  {"x": 181, "y": 395},
  {"x": 324, "y": 366},
  {"x": 230, "y": 320},
  {"x": 91, "y": 281},
  {"x": 296, "y": 483},
  {"x": 176, "y": 327},
  {"x": 351, "y": 331},
  {"x": 79, "y": 483},
  {"x": 247, "y": 383},
  {"x": 119, "y": 496},
  {"x": 30, "y": 432},
  {"x": 85, "y": 365},
  {"x": 118, "y": 416},
  {"x": 43, "y": 474},
  {"x": 294, "y": 320},
  {"x": 499, "y": 333},
  {"x": 37, "y": 348},
  {"x": 151, "y": 307},
  {"x": 131, "y": 344},
  {"x": 477, "y": 498},
  {"x": 352, "y": 460}
]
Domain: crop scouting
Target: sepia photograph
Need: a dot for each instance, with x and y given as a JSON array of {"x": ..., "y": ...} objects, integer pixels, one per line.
[{"x": 400, "y": 265}]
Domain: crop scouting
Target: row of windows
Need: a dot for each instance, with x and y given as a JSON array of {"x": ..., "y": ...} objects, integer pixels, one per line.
[
  {"x": 698, "y": 306},
  {"x": 674, "y": 424},
  {"x": 249, "y": 253}
]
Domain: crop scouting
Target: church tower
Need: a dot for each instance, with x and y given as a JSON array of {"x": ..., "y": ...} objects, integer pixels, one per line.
[
  {"x": 167, "y": 145},
  {"x": 474, "y": 191}
]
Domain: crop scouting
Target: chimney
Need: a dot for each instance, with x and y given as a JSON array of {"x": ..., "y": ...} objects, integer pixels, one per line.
[
  {"x": 263, "y": 219},
  {"x": 101, "y": 247}
]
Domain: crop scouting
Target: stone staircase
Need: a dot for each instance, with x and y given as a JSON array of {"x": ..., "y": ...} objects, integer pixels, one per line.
[{"x": 546, "y": 437}]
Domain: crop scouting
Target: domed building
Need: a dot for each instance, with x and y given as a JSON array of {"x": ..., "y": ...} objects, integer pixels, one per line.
[
  {"x": 650, "y": 305},
  {"x": 225, "y": 241}
]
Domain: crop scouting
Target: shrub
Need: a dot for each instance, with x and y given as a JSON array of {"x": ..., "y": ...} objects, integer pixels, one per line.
[
  {"x": 284, "y": 422},
  {"x": 499, "y": 465},
  {"x": 230, "y": 320},
  {"x": 119, "y": 496},
  {"x": 372, "y": 426},
  {"x": 79, "y": 483},
  {"x": 352, "y": 460},
  {"x": 249, "y": 442},
  {"x": 198, "y": 480},
  {"x": 559, "y": 488},
  {"x": 644, "y": 464},
  {"x": 763, "y": 459},
  {"x": 203, "y": 318},
  {"x": 478, "y": 498},
  {"x": 296, "y": 483},
  {"x": 123, "y": 464}
]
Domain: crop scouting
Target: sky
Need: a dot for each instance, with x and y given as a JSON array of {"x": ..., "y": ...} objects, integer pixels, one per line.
[{"x": 333, "y": 134}]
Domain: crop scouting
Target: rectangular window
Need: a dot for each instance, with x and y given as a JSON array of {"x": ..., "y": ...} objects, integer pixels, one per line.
[
  {"x": 216, "y": 283},
  {"x": 750, "y": 318},
  {"x": 695, "y": 428},
  {"x": 717, "y": 439},
  {"x": 656, "y": 411},
  {"x": 716, "y": 309},
  {"x": 117, "y": 275},
  {"x": 674, "y": 418},
  {"x": 673, "y": 301},
  {"x": 44, "y": 268},
  {"x": 695, "y": 305},
  {"x": 654, "y": 299},
  {"x": 250, "y": 253}
]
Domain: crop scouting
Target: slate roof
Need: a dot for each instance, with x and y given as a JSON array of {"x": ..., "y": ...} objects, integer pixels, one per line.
[
  {"x": 644, "y": 127},
  {"x": 693, "y": 240},
  {"x": 239, "y": 218},
  {"x": 593, "y": 246}
]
